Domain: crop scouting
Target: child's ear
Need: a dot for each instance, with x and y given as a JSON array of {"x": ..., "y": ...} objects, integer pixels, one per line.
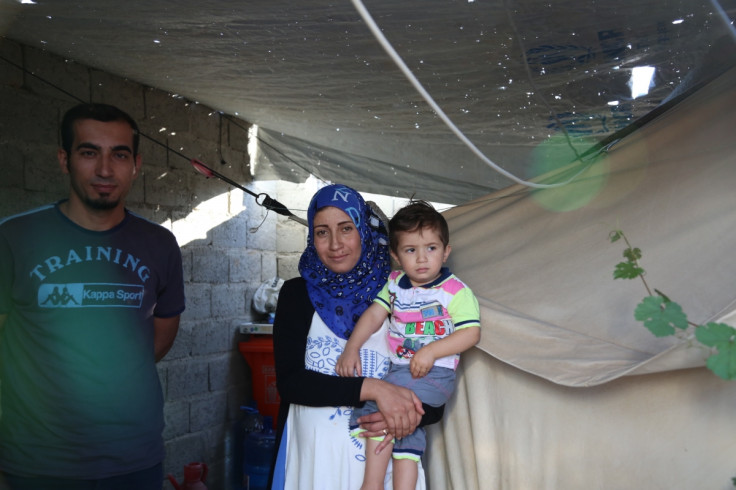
[{"x": 448, "y": 249}]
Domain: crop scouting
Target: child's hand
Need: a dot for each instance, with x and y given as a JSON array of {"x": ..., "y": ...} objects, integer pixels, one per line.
[
  {"x": 421, "y": 363},
  {"x": 348, "y": 364}
]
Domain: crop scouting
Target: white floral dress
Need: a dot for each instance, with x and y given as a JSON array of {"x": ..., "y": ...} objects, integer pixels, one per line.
[{"x": 320, "y": 453}]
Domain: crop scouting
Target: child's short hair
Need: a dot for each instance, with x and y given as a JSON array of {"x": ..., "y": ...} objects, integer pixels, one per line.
[{"x": 417, "y": 215}]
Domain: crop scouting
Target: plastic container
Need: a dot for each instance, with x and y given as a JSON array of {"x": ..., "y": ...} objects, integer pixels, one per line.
[
  {"x": 258, "y": 352},
  {"x": 194, "y": 477},
  {"x": 249, "y": 420},
  {"x": 259, "y": 452}
]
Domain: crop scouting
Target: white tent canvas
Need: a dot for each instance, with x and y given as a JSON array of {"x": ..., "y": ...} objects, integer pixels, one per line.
[
  {"x": 557, "y": 396},
  {"x": 566, "y": 390}
]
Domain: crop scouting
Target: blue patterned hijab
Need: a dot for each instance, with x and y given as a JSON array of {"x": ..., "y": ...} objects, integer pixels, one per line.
[{"x": 340, "y": 299}]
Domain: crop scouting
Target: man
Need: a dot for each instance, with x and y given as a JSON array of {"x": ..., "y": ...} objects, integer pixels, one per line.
[{"x": 90, "y": 298}]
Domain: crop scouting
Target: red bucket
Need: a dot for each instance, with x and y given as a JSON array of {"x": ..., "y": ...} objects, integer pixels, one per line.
[{"x": 258, "y": 353}]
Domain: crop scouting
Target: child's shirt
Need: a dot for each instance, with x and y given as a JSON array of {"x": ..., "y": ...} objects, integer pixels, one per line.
[{"x": 420, "y": 315}]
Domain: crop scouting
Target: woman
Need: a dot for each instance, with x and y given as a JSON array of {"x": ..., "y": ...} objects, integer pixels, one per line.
[{"x": 343, "y": 268}]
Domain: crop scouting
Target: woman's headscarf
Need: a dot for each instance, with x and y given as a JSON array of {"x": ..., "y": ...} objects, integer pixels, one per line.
[{"x": 340, "y": 299}]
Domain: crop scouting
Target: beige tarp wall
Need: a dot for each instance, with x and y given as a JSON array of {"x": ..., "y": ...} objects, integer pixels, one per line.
[{"x": 567, "y": 390}]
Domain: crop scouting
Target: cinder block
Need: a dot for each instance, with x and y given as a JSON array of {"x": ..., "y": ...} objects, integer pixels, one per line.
[
  {"x": 183, "y": 450},
  {"x": 239, "y": 395},
  {"x": 186, "y": 378},
  {"x": 229, "y": 300},
  {"x": 14, "y": 201},
  {"x": 229, "y": 370},
  {"x": 11, "y": 74},
  {"x": 192, "y": 146},
  {"x": 297, "y": 196},
  {"x": 176, "y": 419},
  {"x": 120, "y": 92},
  {"x": 250, "y": 311},
  {"x": 42, "y": 172},
  {"x": 237, "y": 133},
  {"x": 218, "y": 444},
  {"x": 12, "y": 158},
  {"x": 137, "y": 191},
  {"x": 186, "y": 262},
  {"x": 206, "y": 123},
  {"x": 245, "y": 265},
  {"x": 220, "y": 371},
  {"x": 268, "y": 266},
  {"x": 209, "y": 265},
  {"x": 288, "y": 266},
  {"x": 26, "y": 119},
  {"x": 193, "y": 231},
  {"x": 239, "y": 172},
  {"x": 210, "y": 337},
  {"x": 182, "y": 347},
  {"x": 232, "y": 233},
  {"x": 154, "y": 150},
  {"x": 170, "y": 188},
  {"x": 208, "y": 411},
  {"x": 50, "y": 71},
  {"x": 290, "y": 237},
  {"x": 212, "y": 194},
  {"x": 166, "y": 110},
  {"x": 264, "y": 238},
  {"x": 198, "y": 296},
  {"x": 239, "y": 159}
]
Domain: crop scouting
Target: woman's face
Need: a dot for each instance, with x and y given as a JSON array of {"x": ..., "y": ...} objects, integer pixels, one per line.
[{"x": 336, "y": 240}]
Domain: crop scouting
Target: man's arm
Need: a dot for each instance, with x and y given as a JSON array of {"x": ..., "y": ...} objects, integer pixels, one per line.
[{"x": 164, "y": 333}]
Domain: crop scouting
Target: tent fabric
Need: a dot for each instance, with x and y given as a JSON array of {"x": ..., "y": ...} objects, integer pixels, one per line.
[
  {"x": 512, "y": 75},
  {"x": 510, "y": 430},
  {"x": 541, "y": 263},
  {"x": 566, "y": 389}
]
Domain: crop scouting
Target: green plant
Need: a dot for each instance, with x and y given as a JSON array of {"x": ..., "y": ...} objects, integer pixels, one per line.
[{"x": 664, "y": 317}]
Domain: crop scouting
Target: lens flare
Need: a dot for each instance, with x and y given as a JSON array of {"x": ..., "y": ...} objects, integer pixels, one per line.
[{"x": 554, "y": 161}]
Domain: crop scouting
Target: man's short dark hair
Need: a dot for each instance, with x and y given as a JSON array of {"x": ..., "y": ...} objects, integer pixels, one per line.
[
  {"x": 97, "y": 112},
  {"x": 417, "y": 215}
]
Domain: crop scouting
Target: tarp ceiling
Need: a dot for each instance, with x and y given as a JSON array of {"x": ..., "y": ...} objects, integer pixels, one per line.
[
  {"x": 524, "y": 80},
  {"x": 541, "y": 263}
]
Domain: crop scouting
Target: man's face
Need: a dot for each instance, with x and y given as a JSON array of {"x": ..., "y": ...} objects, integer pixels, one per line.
[{"x": 101, "y": 165}]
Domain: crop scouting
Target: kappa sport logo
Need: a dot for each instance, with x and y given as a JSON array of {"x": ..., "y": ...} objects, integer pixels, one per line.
[{"x": 81, "y": 295}]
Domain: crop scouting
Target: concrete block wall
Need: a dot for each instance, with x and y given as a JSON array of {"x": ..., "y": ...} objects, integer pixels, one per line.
[{"x": 230, "y": 245}]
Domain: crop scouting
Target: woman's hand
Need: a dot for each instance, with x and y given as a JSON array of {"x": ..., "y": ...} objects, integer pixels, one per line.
[
  {"x": 375, "y": 425},
  {"x": 400, "y": 407}
]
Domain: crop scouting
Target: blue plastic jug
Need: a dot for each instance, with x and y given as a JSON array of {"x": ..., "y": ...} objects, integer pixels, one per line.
[{"x": 259, "y": 453}]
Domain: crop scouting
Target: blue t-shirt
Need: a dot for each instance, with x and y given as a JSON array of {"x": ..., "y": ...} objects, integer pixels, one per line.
[{"x": 80, "y": 395}]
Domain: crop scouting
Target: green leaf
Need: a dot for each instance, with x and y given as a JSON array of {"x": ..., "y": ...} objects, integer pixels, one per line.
[
  {"x": 659, "y": 316},
  {"x": 723, "y": 338},
  {"x": 715, "y": 334},
  {"x": 627, "y": 270},
  {"x": 615, "y": 235},
  {"x": 632, "y": 254},
  {"x": 723, "y": 364}
]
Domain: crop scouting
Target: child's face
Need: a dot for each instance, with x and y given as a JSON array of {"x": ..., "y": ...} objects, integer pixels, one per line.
[{"x": 421, "y": 255}]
